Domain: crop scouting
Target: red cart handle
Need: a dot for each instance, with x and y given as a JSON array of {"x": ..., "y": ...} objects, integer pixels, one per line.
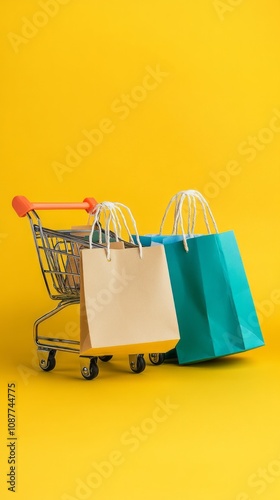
[{"x": 22, "y": 205}]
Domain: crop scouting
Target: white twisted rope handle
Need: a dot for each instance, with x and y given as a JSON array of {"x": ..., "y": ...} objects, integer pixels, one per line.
[
  {"x": 191, "y": 212},
  {"x": 113, "y": 214},
  {"x": 192, "y": 196}
]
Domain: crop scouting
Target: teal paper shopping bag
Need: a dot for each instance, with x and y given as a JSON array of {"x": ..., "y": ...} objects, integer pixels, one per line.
[{"x": 213, "y": 301}]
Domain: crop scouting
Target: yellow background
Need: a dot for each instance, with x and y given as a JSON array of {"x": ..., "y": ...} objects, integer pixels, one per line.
[{"x": 210, "y": 122}]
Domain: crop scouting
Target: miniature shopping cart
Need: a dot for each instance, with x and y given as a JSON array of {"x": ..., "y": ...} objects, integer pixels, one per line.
[{"x": 59, "y": 257}]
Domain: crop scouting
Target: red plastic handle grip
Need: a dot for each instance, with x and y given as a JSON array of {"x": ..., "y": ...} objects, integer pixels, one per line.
[{"x": 22, "y": 205}]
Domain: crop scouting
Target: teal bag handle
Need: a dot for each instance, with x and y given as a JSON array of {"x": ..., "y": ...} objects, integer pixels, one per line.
[{"x": 192, "y": 196}]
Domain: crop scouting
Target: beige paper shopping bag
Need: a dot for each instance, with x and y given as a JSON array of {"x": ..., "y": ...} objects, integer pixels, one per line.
[
  {"x": 73, "y": 263},
  {"x": 126, "y": 303}
]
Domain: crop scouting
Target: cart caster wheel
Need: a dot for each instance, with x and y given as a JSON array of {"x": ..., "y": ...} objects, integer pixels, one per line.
[
  {"x": 91, "y": 371},
  {"x": 48, "y": 364},
  {"x": 105, "y": 358},
  {"x": 157, "y": 358},
  {"x": 137, "y": 363}
]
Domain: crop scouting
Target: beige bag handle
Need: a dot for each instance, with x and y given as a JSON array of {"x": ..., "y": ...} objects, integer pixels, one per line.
[{"x": 113, "y": 215}]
